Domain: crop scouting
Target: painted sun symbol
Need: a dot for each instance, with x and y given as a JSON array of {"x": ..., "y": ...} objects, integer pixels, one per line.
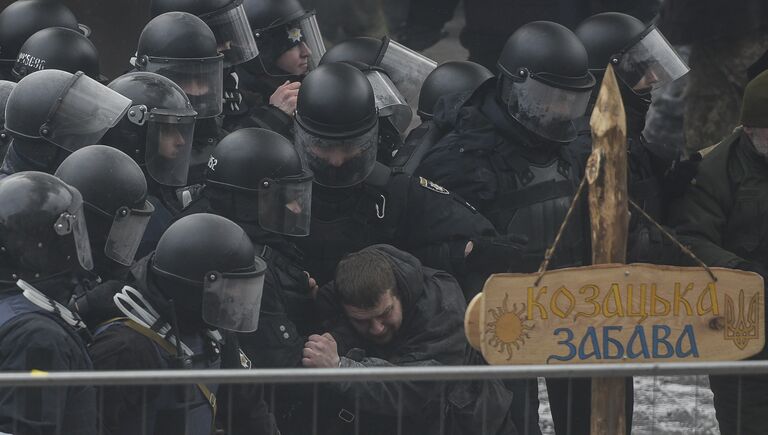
[{"x": 508, "y": 328}]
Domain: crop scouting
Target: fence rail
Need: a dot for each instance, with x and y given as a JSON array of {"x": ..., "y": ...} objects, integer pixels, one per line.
[{"x": 307, "y": 376}]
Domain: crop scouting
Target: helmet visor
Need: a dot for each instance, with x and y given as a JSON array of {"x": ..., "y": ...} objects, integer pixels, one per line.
[
  {"x": 338, "y": 162},
  {"x": 389, "y": 101},
  {"x": 233, "y": 34},
  {"x": 650, "y": 63},
  {"x": 285, "y": 205},
  {"x": 312, "y": 36},
  {"x": 232, "y": 301},
  {"x": 545, "y": 110},
  {"x": 408, "y": 69},
  {"x": 83, "y": 113},
  {"x": 169, "y": 147},
  {"x": 72, "y": 222},
  {"x": 201, "y": 79},
  {"x": 126, "y": 233}
]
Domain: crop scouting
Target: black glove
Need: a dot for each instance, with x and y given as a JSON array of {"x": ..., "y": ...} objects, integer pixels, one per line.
[
  {"x": 97, "y": 305},
  {"x": 679, "y": 176},
  {"x": 495, "y": 254}
]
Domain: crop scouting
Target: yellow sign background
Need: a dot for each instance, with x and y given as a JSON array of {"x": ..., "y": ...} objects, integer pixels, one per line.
[{"x": 618, "y": 313}]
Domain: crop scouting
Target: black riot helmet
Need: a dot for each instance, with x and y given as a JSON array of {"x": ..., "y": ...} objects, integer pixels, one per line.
[
  {"x": 256, "y": 175},
  {"x": 114, "y": 191},
  {"x": 406, "y": 68},
  {"x": 279, "y": 26},
  {"x": 22, "y": 18},
  {"x": 182, "y": 47},
  {"x": 450, "y": 78},
  {"x": 57, "y": 48},
  {"x": 5, "y": 91},
  {"x": 544, "y": 80},
  {"x": 52, "y": 109},
  {"x": 158, "y": 130},
  {"x": 337, "y": 125},
  {"x": 641, "y": 56},
  {"x": 42, "y": 227},
  {"x": 227, "y": 20},
  {"x": 208, "y": 266}
]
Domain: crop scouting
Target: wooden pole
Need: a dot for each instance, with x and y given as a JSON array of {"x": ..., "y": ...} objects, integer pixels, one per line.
[{"x": 607, "y": 177}]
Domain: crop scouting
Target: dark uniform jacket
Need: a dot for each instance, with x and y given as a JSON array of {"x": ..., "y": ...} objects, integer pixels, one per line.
[
  {"x": 391, "y": 207},
  {"x": 521, "y": 183},
  {"x": 255, "y": 110},
  {"x": 31, "y": 339},
  {"x": 431, "y": 334}
]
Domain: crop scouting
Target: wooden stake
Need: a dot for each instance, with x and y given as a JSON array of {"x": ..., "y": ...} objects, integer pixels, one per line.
[{"x": 607, "y": 176}]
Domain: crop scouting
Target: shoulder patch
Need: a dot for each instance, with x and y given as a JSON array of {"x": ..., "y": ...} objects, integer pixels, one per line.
[{"x": 433, "y": 186}]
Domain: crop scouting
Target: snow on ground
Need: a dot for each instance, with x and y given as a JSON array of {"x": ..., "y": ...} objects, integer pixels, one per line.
[{"x": 663, "y": 406}]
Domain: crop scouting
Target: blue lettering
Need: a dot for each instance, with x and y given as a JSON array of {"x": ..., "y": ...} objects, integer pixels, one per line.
[
  {"x": 692, "y": 348},
  {"x": 608, "y": 341},
  {"x": 567, "y": 343},
  {"x": 638, "y": 335},
  {"x": 662, "y": 340},
  {"x": 591, "y": 335}
]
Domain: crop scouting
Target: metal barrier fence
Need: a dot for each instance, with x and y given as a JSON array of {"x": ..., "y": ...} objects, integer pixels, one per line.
[{"x": 686, "y": 409}]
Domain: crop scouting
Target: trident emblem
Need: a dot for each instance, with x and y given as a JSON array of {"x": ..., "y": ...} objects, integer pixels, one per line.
[{"x": 739, "y": 329}]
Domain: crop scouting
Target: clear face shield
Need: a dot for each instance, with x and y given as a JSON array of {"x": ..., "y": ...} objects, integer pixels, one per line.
[
  {"x": 169, "y": 143},
  {"x": 285, "y": 204},
  {"x": 127, "y": 230},
  {"x": 545, "y": 110},
  {"x": 201, "y": 79},
  {"x": 232, "y": 301},
  {"x": 649, "y": 64},
  {"x": 389, "y": 101},
  {"x": 338, "y": 162},
  {"x": 313, "y": 38},
  {"x": 83, "y": 113},
  {"x": 407, "y": 69},
  {"x": 233, "y": 34},
  {"x": 72, "y": 222}
]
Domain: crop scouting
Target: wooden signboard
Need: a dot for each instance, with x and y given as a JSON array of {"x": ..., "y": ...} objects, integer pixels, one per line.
[{"x": 618, "y": 313}]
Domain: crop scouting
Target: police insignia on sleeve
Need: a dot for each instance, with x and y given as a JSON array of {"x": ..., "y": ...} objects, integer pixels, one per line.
[
  {"x": 433, "y": 186},
  {"x": 245, "y": 362}
]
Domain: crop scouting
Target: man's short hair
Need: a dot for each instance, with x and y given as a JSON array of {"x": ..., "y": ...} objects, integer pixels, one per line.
[{"x": 363, "y": 277}]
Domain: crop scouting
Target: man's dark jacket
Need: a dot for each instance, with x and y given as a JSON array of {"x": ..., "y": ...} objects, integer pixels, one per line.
[{"x": 431, "y": 334}]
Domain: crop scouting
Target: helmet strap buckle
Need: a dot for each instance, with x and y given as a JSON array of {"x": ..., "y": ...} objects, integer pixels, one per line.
[{"x": 138, "y": 114}]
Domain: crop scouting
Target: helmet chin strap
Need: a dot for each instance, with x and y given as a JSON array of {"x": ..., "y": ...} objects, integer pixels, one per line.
[{"x": 38, "y": 298}]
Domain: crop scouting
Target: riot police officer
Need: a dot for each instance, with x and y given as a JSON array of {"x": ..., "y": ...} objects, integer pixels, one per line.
[
  {"x": 229, "y": 23},
  {"x": 396, "y": 74},
  {"x": 179, "y": 306},
  {"x": 227, "y": 20},
  {"x": 181, "y": 47},
  {"x": 115, "y": 196},
  {"x": 506, "y": 154},
  {"x": 449, "y": 78},
  {"x": 43, "y": 246},
  {"x": 290, "y": 45},
  {"x": 157, "y": 133},
  {"x": 57, "y": 48},
  {"x": 256, "y": 179},
  {"x": 52, "y": 113},
  {"x": 22, "y": 18},
  {"x": 357, "y": 201},
  {"x": 643, "y": 60}
]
